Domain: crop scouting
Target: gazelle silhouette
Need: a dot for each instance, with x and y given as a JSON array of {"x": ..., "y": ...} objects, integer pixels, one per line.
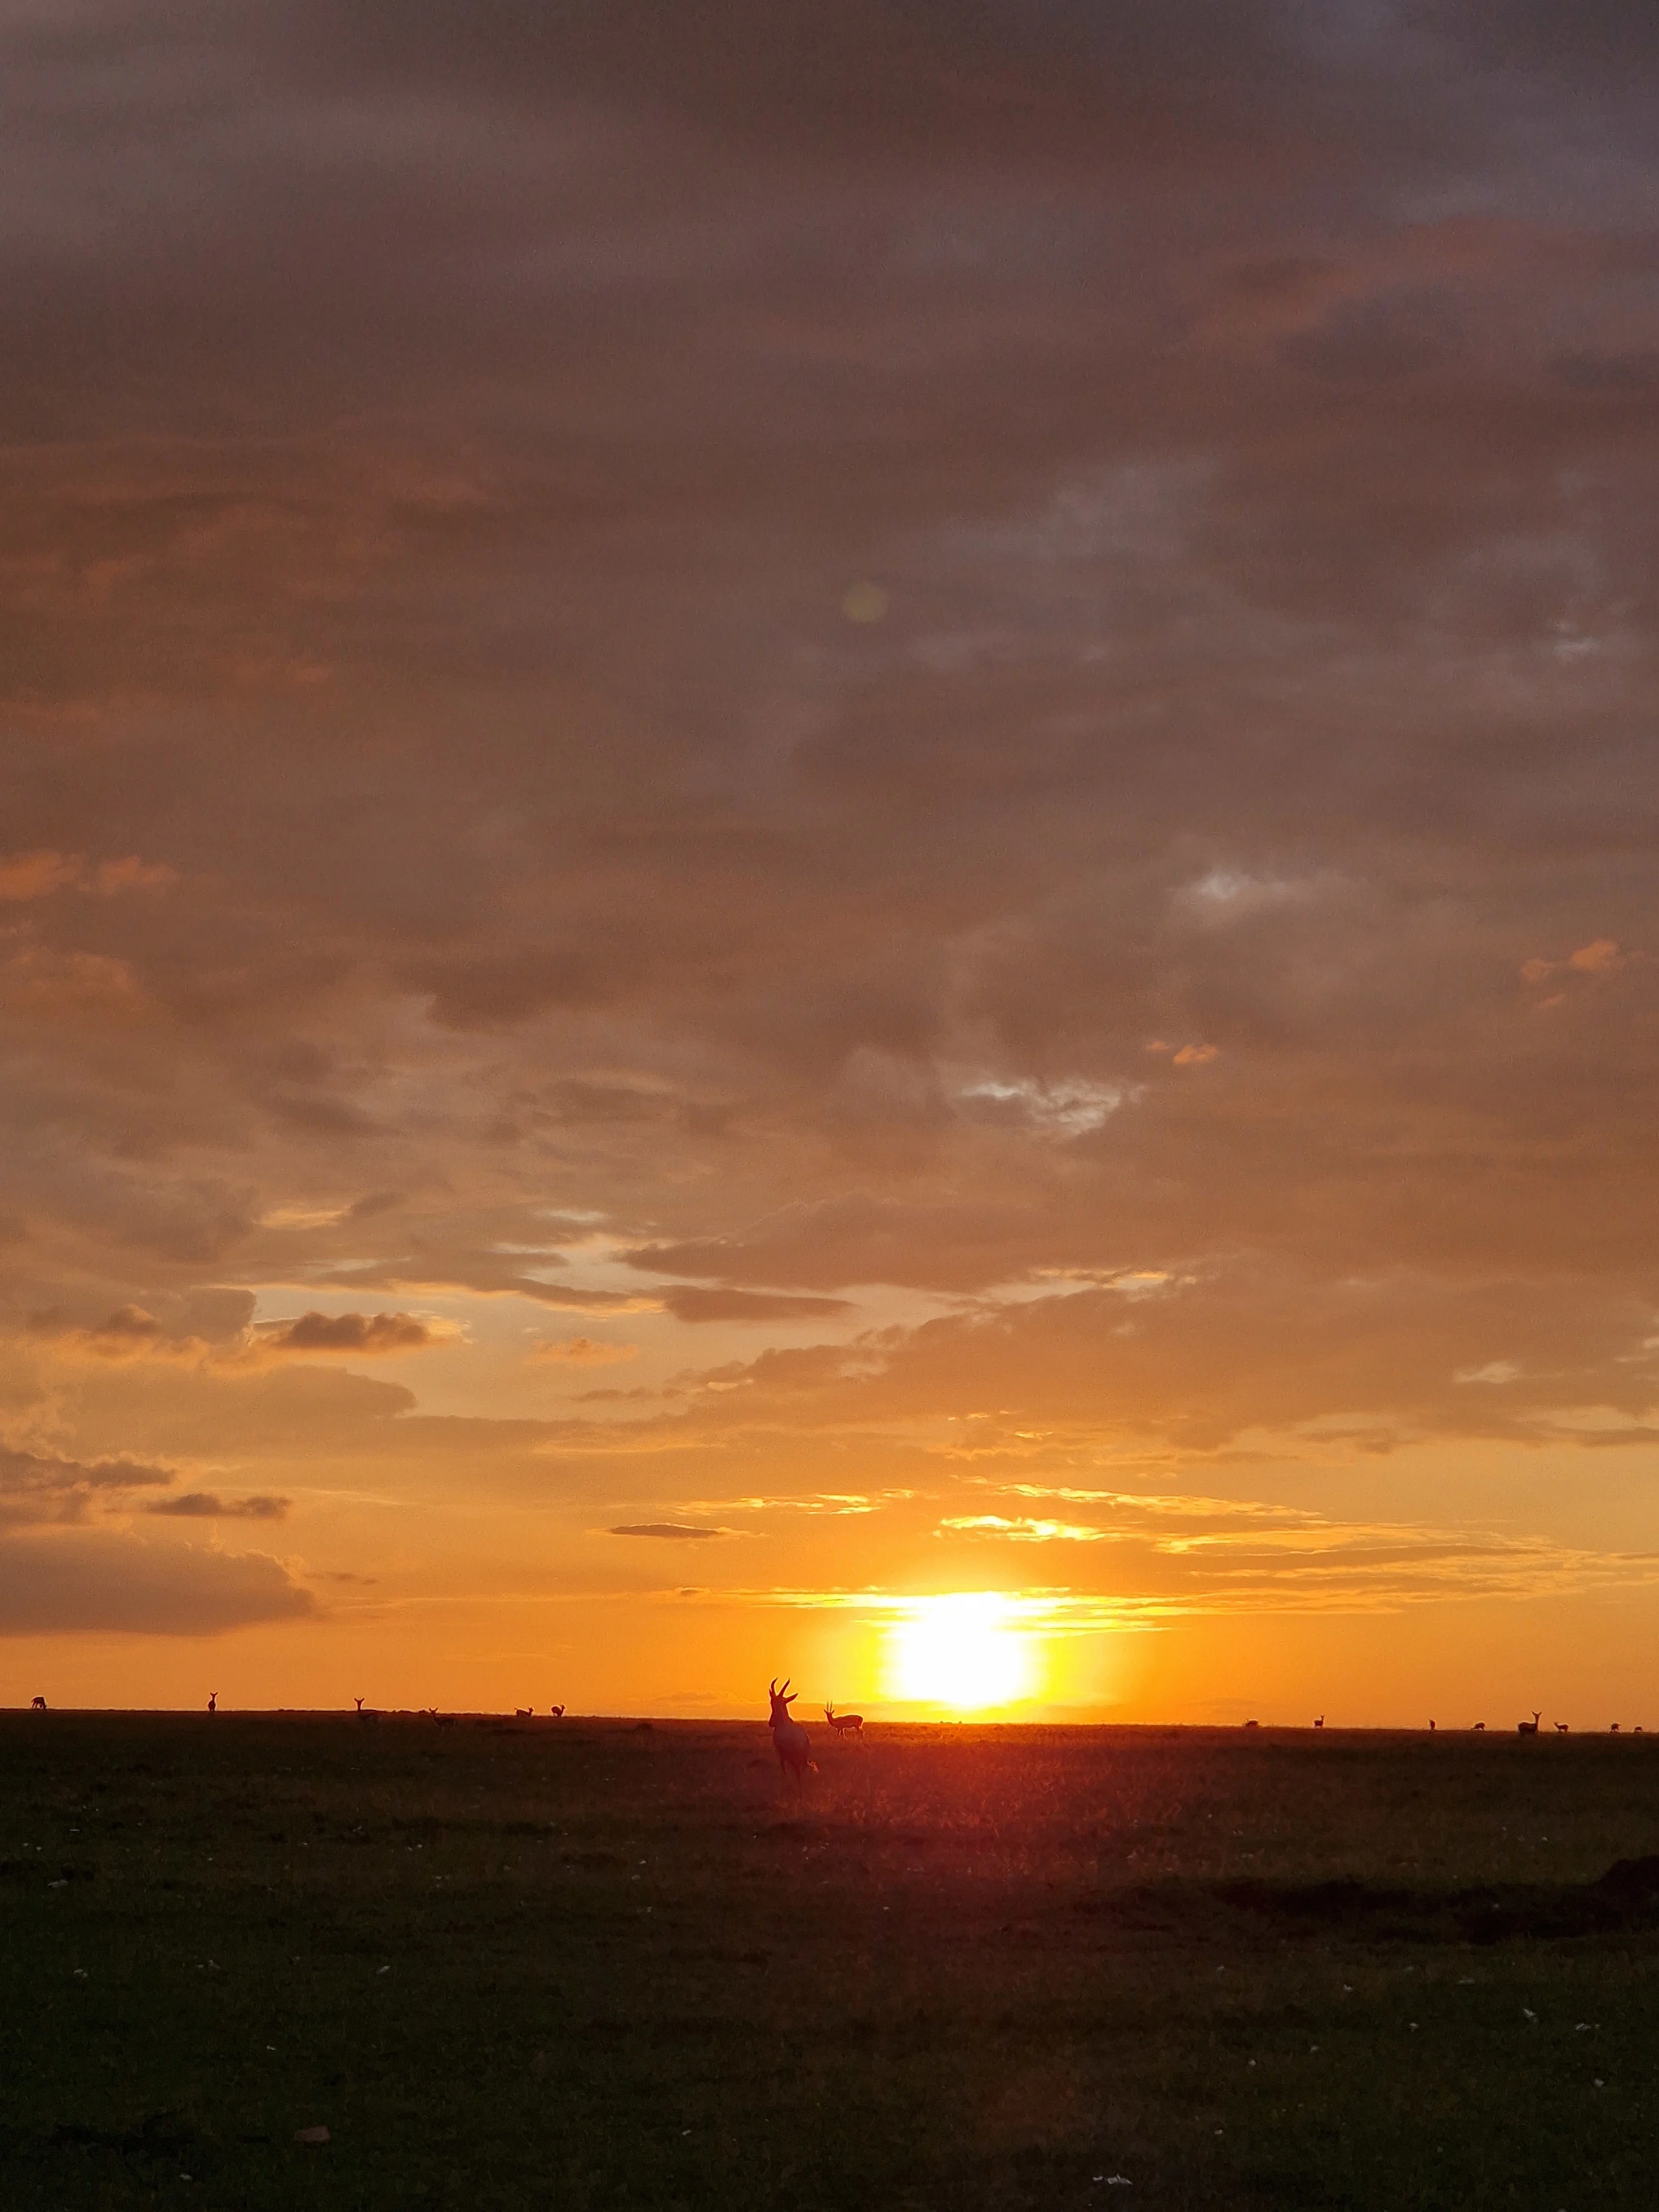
[
  {"x": 212, "y": 1701},
  {"x": 557, "y": 1711},
  {"x": 1529, "y": 1728},
  {"x": 845, "y": 1723},
  {"x": 789, "y": 1739}
]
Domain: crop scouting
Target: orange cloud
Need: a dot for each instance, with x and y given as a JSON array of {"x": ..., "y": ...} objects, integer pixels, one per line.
[
  {"x": 1186, "y": 1055},
  {"x": 1599, "y": 957},
  {"x": 36, "y": 875},
  {"x": 129, "y": 1332}
]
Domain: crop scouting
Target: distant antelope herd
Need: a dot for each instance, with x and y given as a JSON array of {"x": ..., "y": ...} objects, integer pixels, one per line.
[
  {"x": 794, "y": 1747},
  {"x": 1521, "y": 1727}
]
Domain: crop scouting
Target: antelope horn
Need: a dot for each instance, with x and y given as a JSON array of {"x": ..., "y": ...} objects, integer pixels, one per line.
[{"x": 774, "y": 1686}]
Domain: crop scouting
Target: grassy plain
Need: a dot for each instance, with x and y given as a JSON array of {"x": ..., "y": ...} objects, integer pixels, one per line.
[{"x": 590, "y": 1965}]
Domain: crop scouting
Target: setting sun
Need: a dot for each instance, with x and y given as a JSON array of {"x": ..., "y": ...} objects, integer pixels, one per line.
[{"x": 971, "y": 1651}]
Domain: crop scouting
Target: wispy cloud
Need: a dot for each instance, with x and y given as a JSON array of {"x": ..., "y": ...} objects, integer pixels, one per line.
[{"x": 582, "y": 1351}]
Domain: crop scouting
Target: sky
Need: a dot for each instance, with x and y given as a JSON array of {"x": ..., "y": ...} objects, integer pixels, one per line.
[{"x": 828, "y": 848}]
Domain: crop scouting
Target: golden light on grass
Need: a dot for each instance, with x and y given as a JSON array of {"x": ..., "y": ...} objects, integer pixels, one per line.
[{"x": 974, "y": 1651}]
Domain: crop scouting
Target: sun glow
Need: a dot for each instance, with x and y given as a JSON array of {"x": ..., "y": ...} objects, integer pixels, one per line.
[{"x": 971, "y": 1651}]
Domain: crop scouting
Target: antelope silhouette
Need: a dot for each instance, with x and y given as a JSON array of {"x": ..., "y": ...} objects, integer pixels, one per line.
[
  {"x": 1561, "y": 1727},
  {"x": 557, "y": 1711},
  {"x": 524, "y": 1712},
  {"x": 789, "y": 1739},
  {"x": 1479, "y": 1727},
  {"x": 1529, "y": 1728},
  {"x": 212, "y": 1701},
  {"x": 1320, "y": 1722},
  {"x": 37, "y": 1705},
  {"x": 845, "y": 1723}
]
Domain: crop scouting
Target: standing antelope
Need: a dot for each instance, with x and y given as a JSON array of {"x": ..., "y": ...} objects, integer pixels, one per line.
[
  {"x": 1561, "y": 1727},
  {"x": 789, "y": 1739},
  {"x": 1529, "y": 1728},
  {"x": 557, "y": 1711},
  {"x": 1320, "y": 1722},
  {"x": 845, "y": 1723},
  {"x": 212, "y": 1701}
]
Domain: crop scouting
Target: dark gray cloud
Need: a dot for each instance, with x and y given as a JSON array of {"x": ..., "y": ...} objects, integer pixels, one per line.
[
  {"x": 37, "y": 1485},
  {"x": 692, "y": 1302},
  {"x": 208, "y": 1505},
  {"x": 94, "y": 1581},
  {"x": 362, "y": 1334},
  {"x": 674, "y": 1530}
]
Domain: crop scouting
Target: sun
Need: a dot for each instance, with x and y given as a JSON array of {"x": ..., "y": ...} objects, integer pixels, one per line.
[{"x": 970, "y": 1651}]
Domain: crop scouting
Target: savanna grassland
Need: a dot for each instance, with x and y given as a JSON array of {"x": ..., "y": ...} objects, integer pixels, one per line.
[{"x": 593, "y": 1964}]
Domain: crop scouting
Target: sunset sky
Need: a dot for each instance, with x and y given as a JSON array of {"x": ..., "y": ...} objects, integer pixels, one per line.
[{"x": 804, "y": 807}]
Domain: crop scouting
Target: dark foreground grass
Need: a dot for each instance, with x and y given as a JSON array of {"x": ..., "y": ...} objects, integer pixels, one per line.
[{"x": 585, "y": 1964}]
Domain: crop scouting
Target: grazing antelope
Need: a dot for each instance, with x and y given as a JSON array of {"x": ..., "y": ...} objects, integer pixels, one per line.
[
  {"x": 1528, "y": 1728},
  {"x": 524, "y": 1712},
  {"x": 845, "y": 1723},
  {"x": 789, "y": 1739},
  {"x": 557, "y": 1711},
  {"x": 1613, "y": 1730},
  {"x": 37, "y": 1705},
  {"x": 212, "y": 1701},
  {"x": 1479, "y": 1727}
]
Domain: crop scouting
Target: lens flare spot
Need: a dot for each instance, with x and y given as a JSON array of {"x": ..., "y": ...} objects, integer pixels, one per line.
[{"x": 970, "y": 1651}]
